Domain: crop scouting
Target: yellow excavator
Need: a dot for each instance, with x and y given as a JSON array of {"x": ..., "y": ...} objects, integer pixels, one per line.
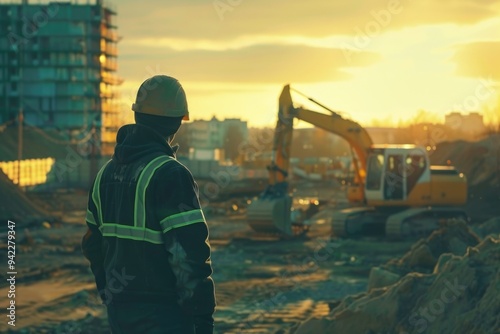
[{"x": 395, "y": 191}]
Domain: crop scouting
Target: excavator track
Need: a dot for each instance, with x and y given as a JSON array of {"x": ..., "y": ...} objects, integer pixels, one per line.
[
  {"x": 408, "y": 223},
  {"x": 420, "y": 222},
  {"x": 395, "y": 179},
  {"x": 357, "y": 221}
]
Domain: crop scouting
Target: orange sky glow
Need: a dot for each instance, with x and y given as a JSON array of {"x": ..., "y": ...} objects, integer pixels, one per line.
[{"x": 378, "y": 62}]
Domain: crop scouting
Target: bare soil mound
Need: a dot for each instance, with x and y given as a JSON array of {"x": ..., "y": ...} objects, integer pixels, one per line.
[
  {"x": 16, "y": 206},
  {"x": 460, "y": 295},
  {"x": 453, "y": 238},
  {"x": 480, "y": 162},
  {"x": 489, "y": 227}
]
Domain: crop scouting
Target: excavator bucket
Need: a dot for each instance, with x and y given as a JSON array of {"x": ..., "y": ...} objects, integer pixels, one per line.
[{"x": 271, "y": 215}]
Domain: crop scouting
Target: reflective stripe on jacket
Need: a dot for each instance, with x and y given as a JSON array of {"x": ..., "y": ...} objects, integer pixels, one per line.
[{"x": 147, "y": 237}]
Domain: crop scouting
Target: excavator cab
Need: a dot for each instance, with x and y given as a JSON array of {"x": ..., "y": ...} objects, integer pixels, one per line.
[
  {"x": 401, "y": 175},
  {"x": 395, "y": 187}
]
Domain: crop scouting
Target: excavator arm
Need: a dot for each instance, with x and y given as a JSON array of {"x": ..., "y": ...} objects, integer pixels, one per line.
[
  {"x": 271, "y": 212},
  {"x": 278, "y": 170},
  {"x": 419, "y": 195},
  {"x": 357, "y": 137}
]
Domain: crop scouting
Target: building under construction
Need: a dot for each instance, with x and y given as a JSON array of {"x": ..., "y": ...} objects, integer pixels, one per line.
[
  {"x": 58, "y": 68},
  {"x": 58, "y": 90}
]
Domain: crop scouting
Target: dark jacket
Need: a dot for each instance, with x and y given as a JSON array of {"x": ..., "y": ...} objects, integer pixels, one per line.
[{"x": 147, "y": 239}]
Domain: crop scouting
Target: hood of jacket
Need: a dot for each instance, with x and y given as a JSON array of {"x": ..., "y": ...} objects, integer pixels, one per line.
[{"x": 134, "y": 141}]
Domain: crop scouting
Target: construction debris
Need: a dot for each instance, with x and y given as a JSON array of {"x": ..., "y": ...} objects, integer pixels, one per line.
[
  {"x": 489, "y": 227},
  {"x": 454, "y": 237},
  {"x": 459, "y": 295},
  {"x": 480, "y": 162}
]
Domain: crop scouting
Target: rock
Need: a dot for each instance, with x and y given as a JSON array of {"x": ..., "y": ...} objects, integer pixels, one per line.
[
  {"x": 380, "y": 277},
  {"x": 491, "y": 226},
  {"x": 313, "y": 325},
  {"x": 461, "y": 295},
  {"x": 453, "y": 237},
  {"x": 443, "y": 260},
  {"x": 422, "y": 257}
]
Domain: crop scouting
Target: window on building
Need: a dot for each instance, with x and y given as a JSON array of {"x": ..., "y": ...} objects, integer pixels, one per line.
[
  {"x": 44, "y": 43},
  {"x": 13, "y": 71},
  {"x": 45, "y": 58},
  {"x": 13, "y": 102}
]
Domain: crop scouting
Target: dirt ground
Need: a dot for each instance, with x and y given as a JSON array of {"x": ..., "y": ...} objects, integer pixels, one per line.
[{"x": 264, "y": 284}]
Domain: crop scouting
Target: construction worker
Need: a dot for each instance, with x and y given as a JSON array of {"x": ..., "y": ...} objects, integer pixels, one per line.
[{"x": 147, "y": 239}]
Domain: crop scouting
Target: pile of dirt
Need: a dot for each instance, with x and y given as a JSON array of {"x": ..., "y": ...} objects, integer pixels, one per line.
[
  {"x": 480, "y": 162},
  {"x": 460, "y": 295},
  {"x": 15, "y": 206},
  {"x": 489, "y": 227},
  {"x": 454, "y": 237}
]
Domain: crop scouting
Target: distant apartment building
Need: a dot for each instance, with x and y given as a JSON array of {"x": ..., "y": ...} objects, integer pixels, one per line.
[
  {"x": 383, "y": 135},
  {"x": 58, "y": 62},
  {"x": 470, "y": 124},
  {"x": 208, "y": 139}
]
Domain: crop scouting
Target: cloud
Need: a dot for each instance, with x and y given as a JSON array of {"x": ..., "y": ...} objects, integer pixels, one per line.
[
  {"x": 204, "y": 19},
  {"x": 478, "y": 59},
  {"x": 253, "y": 64}
]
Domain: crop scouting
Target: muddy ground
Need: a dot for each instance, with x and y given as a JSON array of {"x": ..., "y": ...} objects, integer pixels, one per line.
[{"x": 264, "y": 284}]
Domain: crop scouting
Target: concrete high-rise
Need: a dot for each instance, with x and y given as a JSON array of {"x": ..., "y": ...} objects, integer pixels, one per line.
[{"x": 58, "y": 63}]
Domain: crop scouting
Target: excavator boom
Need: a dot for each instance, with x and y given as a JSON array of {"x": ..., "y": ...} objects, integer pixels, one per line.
[
  {"x": 397, "y": 187},
  {"x": 270, "y": 213}
]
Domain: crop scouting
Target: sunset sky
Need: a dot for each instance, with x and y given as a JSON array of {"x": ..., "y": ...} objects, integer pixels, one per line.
[{"x": 374, "y": 60}]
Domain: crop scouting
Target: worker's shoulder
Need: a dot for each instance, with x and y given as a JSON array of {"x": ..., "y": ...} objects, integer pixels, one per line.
[{"x": 174, "y": 169}]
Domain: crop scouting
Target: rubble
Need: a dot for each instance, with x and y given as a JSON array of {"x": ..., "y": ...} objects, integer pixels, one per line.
[
  {"x": 460, "y": 293},
  {"x": 453, "y": 237},
  {"x": 446, "y": 283},
  {"x": 489, "y": 227},
  {"x": 480, "y": 162},
  {"x": 477, "y": 160}
]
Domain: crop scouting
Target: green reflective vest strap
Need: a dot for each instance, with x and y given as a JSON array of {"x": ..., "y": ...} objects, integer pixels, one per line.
[
  {"x": 142, "y": 184},
  {"x": 96, "y": 194},
  {"x": 138, "y": 231},
  {"x": 90, "y": 217},
  {"x": 182, "y": 219},
  {"x": 132, "y": 233}
]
